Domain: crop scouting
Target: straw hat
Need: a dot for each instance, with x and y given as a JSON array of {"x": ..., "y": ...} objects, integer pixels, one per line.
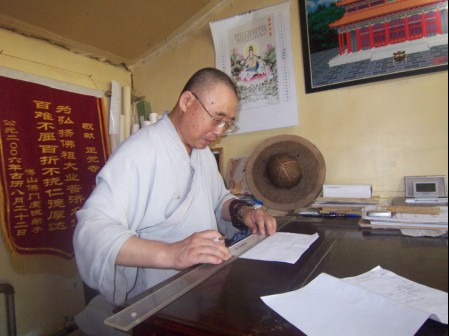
[{"x": 286, "y": 172}]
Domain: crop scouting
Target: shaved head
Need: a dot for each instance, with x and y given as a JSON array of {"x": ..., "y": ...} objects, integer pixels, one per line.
[{"x": 207, "y": 78}]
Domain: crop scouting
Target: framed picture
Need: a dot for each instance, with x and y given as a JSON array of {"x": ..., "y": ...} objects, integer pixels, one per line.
[
  {"x": 350, "y": 42},
  {"x": 218, "y": 153}
]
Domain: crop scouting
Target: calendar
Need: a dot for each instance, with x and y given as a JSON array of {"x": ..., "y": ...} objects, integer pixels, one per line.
[{"x": 254, "y": 49}]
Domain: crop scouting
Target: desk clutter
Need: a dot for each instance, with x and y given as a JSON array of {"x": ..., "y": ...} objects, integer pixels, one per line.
[
  {"x": 286, "y": 174},
  {"x": 413, "y": 219},
  {"x": 343, "y": 207},
  {"x": 433, "y": 218}
]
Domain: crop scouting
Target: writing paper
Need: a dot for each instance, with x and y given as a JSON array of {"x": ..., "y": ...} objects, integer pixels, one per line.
[
  {"x": 333, "y": 307},
  {"x": 281, "y": 247},
  {"x": 399, "y": 289}
]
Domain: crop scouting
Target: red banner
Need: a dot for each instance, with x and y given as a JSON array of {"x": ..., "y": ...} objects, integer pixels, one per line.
[{"x": 52, "y": 145}]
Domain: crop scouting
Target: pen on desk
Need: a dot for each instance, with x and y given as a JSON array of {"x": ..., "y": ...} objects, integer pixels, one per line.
[
  {"x": 342, "y": 215},
  {"x": 331, "y": 214},
  {"x": 353, "y": 216}
]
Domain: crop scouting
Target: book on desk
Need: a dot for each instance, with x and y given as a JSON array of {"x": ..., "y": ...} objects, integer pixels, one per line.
[{"x": 343, "y": 207}]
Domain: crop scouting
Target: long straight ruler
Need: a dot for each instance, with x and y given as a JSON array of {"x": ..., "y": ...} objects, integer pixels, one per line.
[{"x": 142, "y": 309}]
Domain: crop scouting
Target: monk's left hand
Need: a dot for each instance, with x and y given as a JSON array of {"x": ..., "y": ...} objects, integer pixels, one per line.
[{"x": 259, "y": 221}]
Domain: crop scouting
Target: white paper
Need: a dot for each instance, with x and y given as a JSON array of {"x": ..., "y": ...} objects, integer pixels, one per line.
[
  {"x": 333, "y": 307},
  {"x": 281, "y": 247},
  {"x": 267, "y": 90},
  {"x": 429, "y": 226},
  {"x": 347, "y": 191},
  {"x": 405, "y": 291},
  {"x": 423, "y": 233}
]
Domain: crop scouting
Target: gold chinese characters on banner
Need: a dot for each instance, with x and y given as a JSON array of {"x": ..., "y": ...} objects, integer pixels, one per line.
[{"x": 52, "y": 145}]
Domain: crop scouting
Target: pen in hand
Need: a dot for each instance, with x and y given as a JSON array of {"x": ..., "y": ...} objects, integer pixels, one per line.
[{"x": 218, "y": 239}]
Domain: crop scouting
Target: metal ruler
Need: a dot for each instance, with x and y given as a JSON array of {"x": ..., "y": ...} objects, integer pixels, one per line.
[{"x": 142, "y": 309}]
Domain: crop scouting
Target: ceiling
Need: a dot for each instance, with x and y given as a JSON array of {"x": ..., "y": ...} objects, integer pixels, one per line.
[{"x": 122, "y": 32}]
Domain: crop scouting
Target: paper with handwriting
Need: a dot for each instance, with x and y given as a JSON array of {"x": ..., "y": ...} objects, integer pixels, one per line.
[
  {"x": 399, "y": 289},
  {"x": 378, "y": 302}
]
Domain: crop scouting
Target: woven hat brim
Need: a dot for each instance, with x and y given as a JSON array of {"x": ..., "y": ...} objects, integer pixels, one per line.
[{"x": 311, "y": 164}]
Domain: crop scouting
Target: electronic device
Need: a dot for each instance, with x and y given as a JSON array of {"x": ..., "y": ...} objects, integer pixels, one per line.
[{"x": 425, "y": 189}]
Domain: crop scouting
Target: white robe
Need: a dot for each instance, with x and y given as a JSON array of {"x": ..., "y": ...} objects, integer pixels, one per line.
[{"x": 150, "y": 188}]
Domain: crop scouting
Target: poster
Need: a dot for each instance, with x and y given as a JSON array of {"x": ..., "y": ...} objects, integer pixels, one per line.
[{"x": 255, "y": 50}]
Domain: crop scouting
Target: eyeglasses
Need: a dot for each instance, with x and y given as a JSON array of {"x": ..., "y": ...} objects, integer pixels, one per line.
[{"x": 227, "y": 125}]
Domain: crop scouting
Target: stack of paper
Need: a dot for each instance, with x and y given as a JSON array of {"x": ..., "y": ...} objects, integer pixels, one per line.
[
  {"x": 422, "y": 218},
  {"x": 378, "y": 302},
  {"x": 347, "y": 190},
  {"x": 347, "y": 206}
]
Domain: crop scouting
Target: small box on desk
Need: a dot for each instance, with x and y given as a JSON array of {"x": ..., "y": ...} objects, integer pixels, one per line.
[{"x": 347, "y": 190}]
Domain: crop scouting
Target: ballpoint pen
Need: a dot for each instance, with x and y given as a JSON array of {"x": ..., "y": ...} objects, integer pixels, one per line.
[
  {"x": 219, "y": 239},
  {"x": 342, "y": 215}
]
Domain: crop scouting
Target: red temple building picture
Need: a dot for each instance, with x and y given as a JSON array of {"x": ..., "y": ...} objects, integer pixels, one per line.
[{"x": 369, "y": 38}]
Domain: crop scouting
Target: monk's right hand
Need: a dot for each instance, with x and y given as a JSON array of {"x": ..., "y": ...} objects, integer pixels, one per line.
[{"x": 199, "y": 248}]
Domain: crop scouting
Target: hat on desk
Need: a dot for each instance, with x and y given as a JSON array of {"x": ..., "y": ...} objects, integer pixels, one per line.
[{"x": 286, "y": 172}]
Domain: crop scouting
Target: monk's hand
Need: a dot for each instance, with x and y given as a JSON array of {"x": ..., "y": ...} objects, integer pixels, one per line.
[
  {"x": 207, "y": 247},
  {"x": 259, "y": 221}
]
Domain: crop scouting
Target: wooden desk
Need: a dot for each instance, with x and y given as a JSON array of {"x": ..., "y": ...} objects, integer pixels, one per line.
[{"x": 229, "y": 302}]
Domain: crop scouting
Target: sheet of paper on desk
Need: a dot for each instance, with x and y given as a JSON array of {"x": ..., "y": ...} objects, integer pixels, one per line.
[
  {"x": 405, "y": 291},
  {"x": 282, "y": 247},
  {"x": 333, "y": 307}
]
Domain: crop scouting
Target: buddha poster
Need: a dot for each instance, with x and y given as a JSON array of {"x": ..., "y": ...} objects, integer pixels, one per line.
[{"x": 255, "y": 50}]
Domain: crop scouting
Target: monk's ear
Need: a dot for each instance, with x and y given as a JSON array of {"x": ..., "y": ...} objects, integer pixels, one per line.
[{"x": 186, "y": 100}]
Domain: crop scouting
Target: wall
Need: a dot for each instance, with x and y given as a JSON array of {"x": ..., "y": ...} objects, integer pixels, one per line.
[
  {"x": 46, "y": 302},
  {"x": 374, "y": 133}
]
